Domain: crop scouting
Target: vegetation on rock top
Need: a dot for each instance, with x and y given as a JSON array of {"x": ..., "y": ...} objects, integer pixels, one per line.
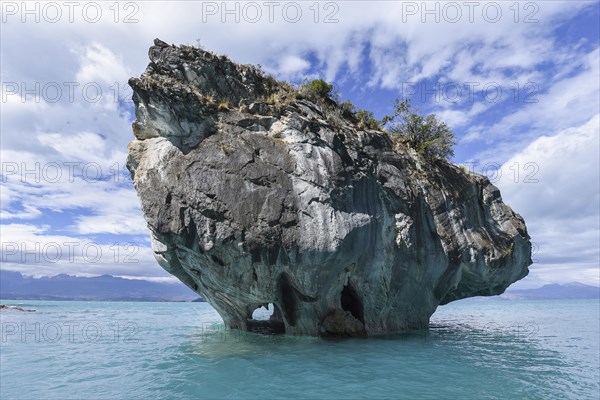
[{"x": 427, "y": 135}]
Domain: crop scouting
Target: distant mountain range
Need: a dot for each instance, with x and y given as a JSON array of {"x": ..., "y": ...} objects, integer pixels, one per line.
[
  {"x": 573, "y": 290},
  {"x": 14, "y": 286}
]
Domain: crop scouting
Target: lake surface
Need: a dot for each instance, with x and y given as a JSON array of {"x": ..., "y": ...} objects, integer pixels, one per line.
[{"x": 474, "y": 350}]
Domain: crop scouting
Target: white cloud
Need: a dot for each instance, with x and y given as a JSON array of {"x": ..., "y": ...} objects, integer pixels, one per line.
[
  {"x": 76, "y": 178},
  {"x": 85, "y": 146},
  {"x": 116, "y": 223},
  {"x": 28, "y": 212},
  {"x": 561, "y": 209},
  {"x": 159, "y": 279},
  {"x": 566, "y": 102},
  {"x": 99, "y": 64},
  {"x": 34, "y": 250},
  {"x": 292, "y": 65},
  {"x": 70, "y": 154}
]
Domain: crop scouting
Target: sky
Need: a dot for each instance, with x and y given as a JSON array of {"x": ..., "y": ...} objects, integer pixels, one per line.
[{"x": 518, "y": 82}]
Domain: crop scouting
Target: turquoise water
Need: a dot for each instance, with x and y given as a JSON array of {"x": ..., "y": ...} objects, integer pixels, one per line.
[{"x": 475, "y": 350}]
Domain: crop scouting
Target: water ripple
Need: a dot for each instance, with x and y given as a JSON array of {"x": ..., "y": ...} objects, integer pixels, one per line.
[{"x": 182, "y": 351}]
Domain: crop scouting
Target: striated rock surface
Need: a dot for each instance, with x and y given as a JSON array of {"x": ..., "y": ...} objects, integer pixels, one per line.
[{"x": 254, "y": 196}]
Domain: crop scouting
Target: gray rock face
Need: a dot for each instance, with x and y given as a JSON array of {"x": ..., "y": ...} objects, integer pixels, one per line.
[{"x": 255, "y": 202}]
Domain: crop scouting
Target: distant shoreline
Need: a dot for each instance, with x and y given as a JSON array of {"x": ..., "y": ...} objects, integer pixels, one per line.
[
  {"x": 129, "y": 300},
  {"x": 498, "y": 298}
]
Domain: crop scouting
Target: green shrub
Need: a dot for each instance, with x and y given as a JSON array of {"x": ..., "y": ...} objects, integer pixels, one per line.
[
  {"x": 366, "y": 120},
  {"x": 347, "y": 109},
  {"x": 427, "y": 135},
  {"x": 317, "y": 90}
]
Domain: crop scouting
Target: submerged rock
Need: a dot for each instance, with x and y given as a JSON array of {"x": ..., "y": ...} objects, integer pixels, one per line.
[
  {"x": 14, "y": 308},
  {"x": 255, "y": 195}
]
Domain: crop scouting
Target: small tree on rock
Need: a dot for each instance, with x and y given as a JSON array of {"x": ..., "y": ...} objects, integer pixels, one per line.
[
  {"x": 317, "y": 91},
  {"x": 429, "y": 136}
]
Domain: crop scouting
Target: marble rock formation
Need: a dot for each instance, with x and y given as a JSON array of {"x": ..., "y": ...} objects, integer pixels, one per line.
[{"x": 254, "y": 194}]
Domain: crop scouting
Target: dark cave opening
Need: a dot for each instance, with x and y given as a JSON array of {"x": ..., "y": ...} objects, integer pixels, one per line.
[
  {"x": 351, "y": 302},
  {"x": 288, "y": 299}
]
